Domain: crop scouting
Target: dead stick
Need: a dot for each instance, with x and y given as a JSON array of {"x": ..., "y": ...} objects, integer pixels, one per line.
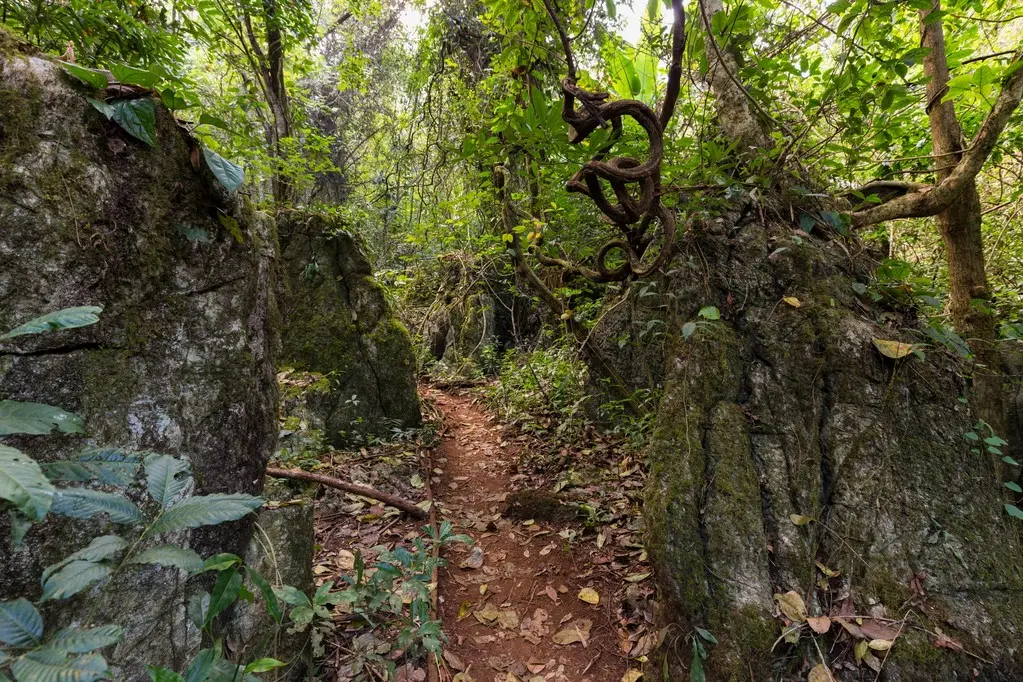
[{"x": 354, "y": 488}]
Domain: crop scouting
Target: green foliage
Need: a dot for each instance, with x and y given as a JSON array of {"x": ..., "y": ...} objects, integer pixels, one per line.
[
  {"x": 229, "y": 174},
  {"x": 984, "y": 440},
  {"x": 67, "y": 318}
]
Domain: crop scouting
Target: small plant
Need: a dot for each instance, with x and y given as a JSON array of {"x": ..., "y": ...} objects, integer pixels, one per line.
[
  {"x": 983, "y": 435},
  {"x": 700, "y": 639}
]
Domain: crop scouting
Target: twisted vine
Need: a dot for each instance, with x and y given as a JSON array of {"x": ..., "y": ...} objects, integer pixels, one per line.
[{"x": 636, "y": 185}]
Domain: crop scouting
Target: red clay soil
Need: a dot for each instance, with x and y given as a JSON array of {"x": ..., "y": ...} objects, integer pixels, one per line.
[{"x": 504, "y": 615}]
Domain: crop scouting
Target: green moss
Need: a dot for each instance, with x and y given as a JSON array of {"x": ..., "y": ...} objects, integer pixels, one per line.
[{"x": 20, "y": 109}]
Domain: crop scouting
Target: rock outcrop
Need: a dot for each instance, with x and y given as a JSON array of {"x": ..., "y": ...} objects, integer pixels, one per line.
[
  {"x": 790, "y": 454},
  {"x": 183, "y": 360},
  {"x": 339, "y": 324}
]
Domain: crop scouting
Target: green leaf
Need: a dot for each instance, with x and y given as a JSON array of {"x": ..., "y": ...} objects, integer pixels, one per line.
[
  {"x": 36, "y": 419},
  {"x": 229, "y": 174},
  {"x": 263, "y": 665},
  {"x": 710, "y": 313},
  {"x": 292, "y": 595},
  {"x": 198, "y": 605},
  {"x": 21, "y": 626},
  {"x": 209, "y": 119},
  {"x": 100, "y": 549},
  {"x": 273, "y": 606},
  {"x": 23, "y": 484},
  {"x": 171, "y": 556},
  {"x": 133, "y": 76},
  {"x": 221, "y": 562},
  {"x": 611, "y": 10},
  {"x": 111, "y": 466},
  {"x": 687, "y": 330},
  {"x": 707, "y": 636},
  {"x": 84, "y": 640},
  {"x": 137, "y": 117},
  {"x": 1015, "y": 511},
  {"x": 1010, "y": 460},
  {"x": 48, "y": 665},
  {"x": 91, "y": 77},
  {"x": 80, "y": 503},
  {"x": 225, "y": 592},
  {"x": 163, "y": 675},
  {"x": 696, "y": 673},
  {"x": 206, "y": 510},
  {"x": 1014, "y": 487},
  {"x": 73, "y": 578},
  {"x": 164, "y": 479},
  {"x": 20, "y": 525},
  {"x": 202, "y": 665},
  {"x": 102, "y": 107},
  {"x": 67, "y": 318}
]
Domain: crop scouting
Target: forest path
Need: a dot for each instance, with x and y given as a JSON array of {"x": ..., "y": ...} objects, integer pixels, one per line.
[{"x": 509, "y": 600}]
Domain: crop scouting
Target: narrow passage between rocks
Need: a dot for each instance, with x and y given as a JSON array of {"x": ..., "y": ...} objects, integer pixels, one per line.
[{"x": 519, "y": 604}]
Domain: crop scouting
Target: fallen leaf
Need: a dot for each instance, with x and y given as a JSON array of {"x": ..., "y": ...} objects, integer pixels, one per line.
[
  {"x": 345, "y": 560},
  {"x": 874, "y": 629},
  {"x": 792, "y": 605},
  {"x": 819, "y": 625},
  {"x": 535, "y": 666},
  {"x": 453, "y": 660},
  {"x": 632, "y": 676},
  {"x": 576, "y": 631},
  {"x": 943, "y": 641},
  {"x": 474, "y": 560},
  {"x": 509, "y": 620},
  {"x": 416, "y": 481},
  {"x": 799, "y": 519},
  {"x": 483, "y": 588},
  {"x": 893, "y": 349},
  {"x": 464, "y": 609},
  {"x": 880, "y": 644},
  {"x": 552, "y": 594},
  {"x": 792, "y": 301},
  {"x": 488, "y": 614},
  {"x": 462, "y": 677},
  {"x": 827, "y": 571},
  {"x": 820, "y": 673},
  {"x": 589, "y": 595},
  {"x": 637, "y": 577}
]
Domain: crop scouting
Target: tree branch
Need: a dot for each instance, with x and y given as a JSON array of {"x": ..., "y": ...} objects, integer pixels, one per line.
[
  {"x": 364, "y": 491},
  {"x": 935, "y": 201}
]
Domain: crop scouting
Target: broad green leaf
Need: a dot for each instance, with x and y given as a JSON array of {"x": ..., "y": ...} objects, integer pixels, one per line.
[
  {"x": 206, "y": 510},
  {"x": 226, "y": 671},
  {"x": 110, "y": 466},
  {"x": 73, "y": 578},
  {"x": 273, "y": 606},
  {"x": 164, "y": 479},
  {"x": 20, "y": 525},
  {"x": 163, "y": 675},
  {"x": 100, "y": 549},
  {"x": 23, "y": 484},
  {"x": 81, "y": 503},
  {"x": 214, "y": 121},
  {"x": 263, "y": 665},
  {"x": 91, "y": 77},
  {"x": 171, "y": 556},
  {"x": 710, "y": 313},
  {"x": 1014, "y": 487},
  {"x": 1014, "y": 511},
  {"x": 221, "y": 562},
  {"x": 611, "y": 10},
  {"x": 225, "y": 592},
  {"x": 229, "y": 175},
  {"x": 102, "y": 107},
  {"x": 133, "y": 76},
  {"x": 84, "y": 640},
  {"x": 67, "y": 318},
  {"x": 21, "y": 626},
  {"x": 36, "y": 419},
  {"x": 48, "y": 665},
  {"x": 687, "y": 329},
  {"x": 198, "y": 605},
  {"x": 202, "y": 665},
  {"x": 292, "y": 595},
  {"x": 137, "y": 117}
]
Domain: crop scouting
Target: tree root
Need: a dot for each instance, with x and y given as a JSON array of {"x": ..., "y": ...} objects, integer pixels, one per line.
[{"x": 354, "y": 488}]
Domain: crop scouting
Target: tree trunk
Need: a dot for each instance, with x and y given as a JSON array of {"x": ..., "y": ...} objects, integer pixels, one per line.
[{"x": 959, "y": 226}]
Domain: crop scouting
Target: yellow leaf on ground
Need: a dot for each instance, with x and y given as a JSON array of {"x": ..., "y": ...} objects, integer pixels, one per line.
[
  {"x": 799, "y": 519},
  {"x": 792, "y": 605},
  {"x": 589, "y": 595},
  {"x": 792, "y": 301},
  {"x": 893, "y": 349},
  {"x": 637, "y": 577},
  {"x": 576, "y": 631},
  {"x": 819, "y": 625},
  {"x": 880, "y": 644},
  {"x": 820, "y": 673},
  {"x": 632, "y": 676}
]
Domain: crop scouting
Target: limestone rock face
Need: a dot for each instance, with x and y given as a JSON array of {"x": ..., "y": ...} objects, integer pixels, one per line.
[
  {"x": 183, "y": 361},
  {"x": 786, "y": 442},
  {"x": 339, "y": 324}
]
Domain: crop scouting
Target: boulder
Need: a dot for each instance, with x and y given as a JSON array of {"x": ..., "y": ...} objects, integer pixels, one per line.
[{"x": 183, "y": 360}]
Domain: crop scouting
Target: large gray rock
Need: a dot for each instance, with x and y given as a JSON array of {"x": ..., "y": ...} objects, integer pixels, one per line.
[
  {"x": 785, "y": 441},
  {"x": 183, "y": 359},
  {"x": 339, "y": 324}
]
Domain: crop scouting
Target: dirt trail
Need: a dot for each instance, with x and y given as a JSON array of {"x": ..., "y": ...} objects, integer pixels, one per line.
[{"x": 504, "y": 615}]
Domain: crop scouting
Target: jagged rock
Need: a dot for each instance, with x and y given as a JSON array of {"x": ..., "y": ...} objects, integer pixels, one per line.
[
  {"x": 338, "y": 324},
  {"x": 183, "y": 359},
  {"x": 785, "y": 438}
]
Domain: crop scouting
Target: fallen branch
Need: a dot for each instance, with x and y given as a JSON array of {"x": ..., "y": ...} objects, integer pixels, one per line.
[{"x": 355, "y": 489}]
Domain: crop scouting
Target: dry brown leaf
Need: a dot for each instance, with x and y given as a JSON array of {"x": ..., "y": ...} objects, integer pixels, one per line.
[
  {"x": 552, "y": 594},
  {"x": 576, "y": 631},
  {"x": 875, "y": 629},
  {"x": 474, "y": 560},
  {"x": 453, "y": 660},
  {"x": 792, "y": 605},
  {"x": 943, "y": 641},
  {"x": 462, "y": 677},
  {"x": 487, "y": 614},
  {"x": 589, "y": 595},
  {"x": 820, "y": 673},
  {"x": 509, "y": 620},
  {"x": 819, "y": 625}
]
